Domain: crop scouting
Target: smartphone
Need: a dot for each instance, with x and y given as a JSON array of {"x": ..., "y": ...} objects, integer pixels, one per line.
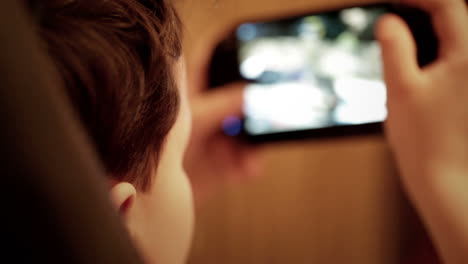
[{"x": 312, "y": 75}]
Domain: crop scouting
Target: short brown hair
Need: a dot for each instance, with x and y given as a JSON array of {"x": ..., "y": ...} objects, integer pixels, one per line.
[{"x": 117, "y": 59}]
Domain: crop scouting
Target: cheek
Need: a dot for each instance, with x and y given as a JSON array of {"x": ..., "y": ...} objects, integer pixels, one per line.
[
  {"x": 187, "y": 121},
  {"x": 185, "y": 112},
  {"x": 169, "y": 219},
  {"x": 182, "y": 217}
]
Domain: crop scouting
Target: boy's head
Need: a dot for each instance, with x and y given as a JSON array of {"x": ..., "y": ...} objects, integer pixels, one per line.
[{"x": 120, "y": 62}]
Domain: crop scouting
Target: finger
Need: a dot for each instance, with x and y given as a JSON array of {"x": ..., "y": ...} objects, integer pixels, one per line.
[
  {"x": 398, "y": 53},
  {"x": 450, "y": 19},
  {"x": 211, "y": 108}
]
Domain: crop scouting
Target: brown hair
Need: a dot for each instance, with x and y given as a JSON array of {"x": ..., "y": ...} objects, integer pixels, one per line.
[{"x": 117, "y": 59}]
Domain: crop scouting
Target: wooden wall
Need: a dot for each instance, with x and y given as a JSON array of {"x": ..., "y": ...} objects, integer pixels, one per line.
[{"x": 319, "y": 201}]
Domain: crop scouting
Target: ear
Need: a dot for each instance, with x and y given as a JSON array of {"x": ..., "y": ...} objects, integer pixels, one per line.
[{"x": 123, "y": 197}]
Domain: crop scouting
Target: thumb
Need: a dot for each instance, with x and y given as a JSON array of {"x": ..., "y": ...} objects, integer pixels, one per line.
[
  {"x": 212, "y": 107},
  {"x": 399, "y": 54}
]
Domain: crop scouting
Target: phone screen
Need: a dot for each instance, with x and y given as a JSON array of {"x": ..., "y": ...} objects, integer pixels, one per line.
[{"x": 311, "y": 72}]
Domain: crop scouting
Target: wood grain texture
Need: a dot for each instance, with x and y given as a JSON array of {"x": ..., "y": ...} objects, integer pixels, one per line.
[{"x": 319, "y": 201}]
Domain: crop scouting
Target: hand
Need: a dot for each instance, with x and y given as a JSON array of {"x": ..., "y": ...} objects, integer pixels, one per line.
[
  {"x": 214, "y": 159},
  {"x": 428, "y": 113},
  {"x": 427, "y": 125}
]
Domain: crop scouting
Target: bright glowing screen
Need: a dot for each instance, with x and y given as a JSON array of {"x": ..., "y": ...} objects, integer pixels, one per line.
[{"x": 312, "y": 72}]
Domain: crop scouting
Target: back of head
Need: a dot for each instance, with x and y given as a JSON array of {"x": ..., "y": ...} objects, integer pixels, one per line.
[{"x": 116, "y": 58}]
